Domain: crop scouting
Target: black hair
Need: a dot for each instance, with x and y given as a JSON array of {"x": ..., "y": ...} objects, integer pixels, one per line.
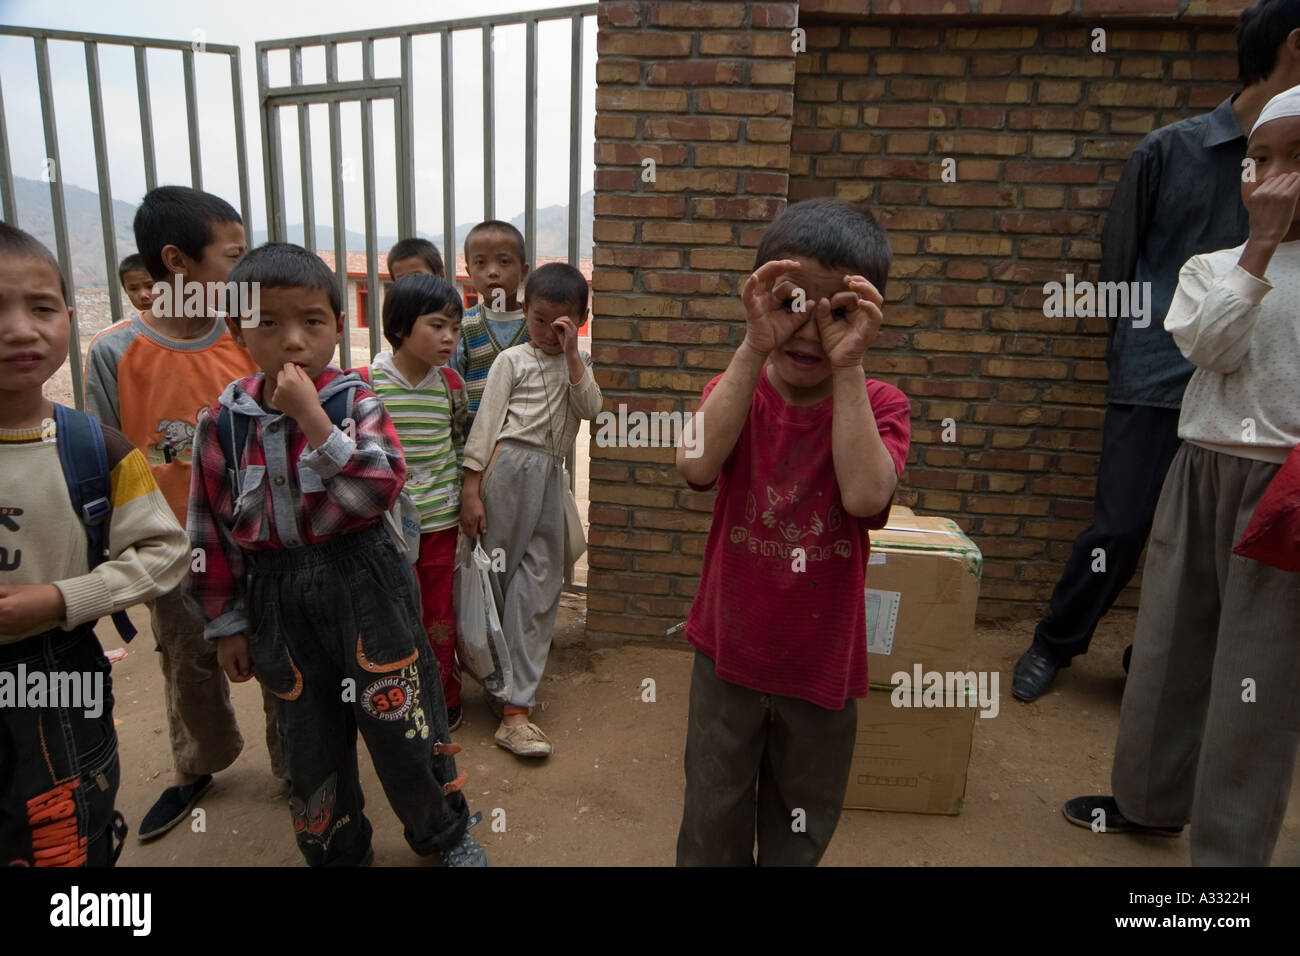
[
  {"x": 421, "y": 249},
  {"x": 283, "y": 265},
  {"x": 178, "y": 216},
  {"x": 412, "y": 296},
  {"x": 496, "y": 225},
  {"x": 21, "y": 245},
  {"x": 132, "y": 263},
  {"x": 560, "y": 283},
  {"x": 1261, "y": 31},
  {"x": 836, "y": 233}
]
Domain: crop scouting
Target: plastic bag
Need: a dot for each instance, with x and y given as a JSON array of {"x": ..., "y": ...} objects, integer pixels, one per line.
[{"x": 480, "y": 642}]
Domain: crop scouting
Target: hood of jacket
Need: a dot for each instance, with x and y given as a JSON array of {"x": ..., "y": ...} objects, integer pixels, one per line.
[{"x": 243, "y": 397}]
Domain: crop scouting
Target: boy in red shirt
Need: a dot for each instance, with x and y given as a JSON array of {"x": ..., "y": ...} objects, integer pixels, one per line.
[{"x": 806, "y": 453}]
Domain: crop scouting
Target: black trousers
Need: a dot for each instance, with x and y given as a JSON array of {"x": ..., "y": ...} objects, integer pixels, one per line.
[
  {"x": 59, "y": 770},
  {"x": 1138, "y": 443},
  {"x": 761, "y": 766},
  {"x": 337, "y": 638}
]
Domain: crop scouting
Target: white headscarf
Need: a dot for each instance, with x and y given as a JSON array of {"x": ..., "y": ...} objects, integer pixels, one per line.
[{"x": 1279, "y": 107}]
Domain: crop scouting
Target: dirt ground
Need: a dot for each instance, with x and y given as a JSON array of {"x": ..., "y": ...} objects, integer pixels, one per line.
[{"x": 611, "y": 795}]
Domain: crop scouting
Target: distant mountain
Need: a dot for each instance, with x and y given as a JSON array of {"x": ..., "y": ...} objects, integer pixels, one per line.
[
  {"x": 86, "y": 242},
  {"x": 85, "y": 235}
]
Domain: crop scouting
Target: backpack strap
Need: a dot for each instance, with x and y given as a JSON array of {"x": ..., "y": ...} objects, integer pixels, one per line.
[
  {"x": 232, "y": 433},
  {"x": 83, "y": 456}
]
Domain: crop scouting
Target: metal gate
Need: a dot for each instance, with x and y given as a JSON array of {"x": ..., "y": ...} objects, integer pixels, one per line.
[
  {"x": 52, "y": 170},
  {"x": 401, "y": 91}
]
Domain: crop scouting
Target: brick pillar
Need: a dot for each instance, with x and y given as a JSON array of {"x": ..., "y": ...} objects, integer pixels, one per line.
[{"x": 705, "y": 91}]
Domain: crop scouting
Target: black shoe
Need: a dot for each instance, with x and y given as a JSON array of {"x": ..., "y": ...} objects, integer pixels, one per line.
[
  {"x": 1128, "y": 656},
  {"x": 172, "y": 807},
  {"x": 453, "y": 717},
  {"x": 1034, "y": 673},
  {"x": 1082, "y": 812}
]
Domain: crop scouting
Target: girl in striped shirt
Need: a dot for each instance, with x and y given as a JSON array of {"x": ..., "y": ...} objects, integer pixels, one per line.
[{"x": 426, "y": 401}]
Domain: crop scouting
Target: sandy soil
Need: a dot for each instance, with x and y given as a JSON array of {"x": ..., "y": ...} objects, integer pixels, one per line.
[{"x": 611, "y": 794}]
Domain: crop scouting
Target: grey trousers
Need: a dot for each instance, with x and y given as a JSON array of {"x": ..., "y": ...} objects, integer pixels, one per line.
[
  {"x": 1210, "y": 722},
  {"x": 761, "y": 766},
  {"x": 201, "y": 722},
  {"x": 523, "y": 495}
]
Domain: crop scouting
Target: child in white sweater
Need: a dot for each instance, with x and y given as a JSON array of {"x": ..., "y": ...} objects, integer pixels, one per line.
[{"x": 514, "y": 491}]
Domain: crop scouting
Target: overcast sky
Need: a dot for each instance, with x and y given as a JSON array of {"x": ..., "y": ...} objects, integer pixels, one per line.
[{"x": 243, "y": 23}]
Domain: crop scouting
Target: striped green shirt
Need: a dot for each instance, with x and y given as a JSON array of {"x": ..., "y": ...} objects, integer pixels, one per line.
[{"x": 422, "y": 416}]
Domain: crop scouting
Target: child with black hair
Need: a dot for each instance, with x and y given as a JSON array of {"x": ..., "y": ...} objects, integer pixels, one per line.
[
  {"x": 534, "y": 401},
  {"x": 304, "y": 586},
  {"x": 806, "y": 452},
  {"x": 59, "y": 768},
  {"x": 148, "y": 376},
  {"x": 410, "y": 256},
  {"x": 497, "y": 263},
  {"x": 426, "y": 401},
  {"x": 136, "y": 281}
]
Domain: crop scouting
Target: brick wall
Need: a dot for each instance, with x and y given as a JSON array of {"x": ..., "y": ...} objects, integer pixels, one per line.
[{"x": 1039, "y": 127}]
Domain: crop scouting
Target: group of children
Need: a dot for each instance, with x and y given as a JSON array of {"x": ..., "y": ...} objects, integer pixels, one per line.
[
  {"x": 247, "y": 491},
  {"x": 285, "y": 478}
]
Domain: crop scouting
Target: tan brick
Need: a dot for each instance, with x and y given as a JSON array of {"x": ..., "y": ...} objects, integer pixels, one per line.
[
  {"x": 854, "y": 64},
  {"x": 660, "y": 207},
  {"x": 771, "y": 73},
  {"x": 985, "y": 91},
  {"x": 679, "y": 128},
  {"x": 634, "y": 154},
  {"x": 697, "y": 14},
  {"x": 1059, "y": 91},
  {"x": 986, "y": 143},
  {"x": 686, "y": 232},
  {"x": 639, "y": 256},
  {"x": 737, "y": 260},
  {"x": 613, "y": 126},
  {"x": 992, "y": 38},
  {"x": 1134, "y": 94},
  {"x": 1037, "y": 64},
  {"x": 745, "y": 104},
  {"x": 618, "y": 71},
  {"x": 745, "y": 44},
  {"x": 771, "y": 157},
  {"x": 870, "y": 36},
  {"x": 643, "y": 44},
  {"x": 696, "y": 73},
  {"x": 698, "y": 180},
  {"x": 641, "y": 101},
  {"x": 869, "y": 90},
  {"x": 607, "y": 230},
  {"x": 641, "y": 305},
  {"x": 923, "y": 64}
]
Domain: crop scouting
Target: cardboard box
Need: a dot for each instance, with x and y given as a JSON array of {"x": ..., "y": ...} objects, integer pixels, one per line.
[
  {"x": 922, "y": 586},
  {"x": 909, "y": 759}
]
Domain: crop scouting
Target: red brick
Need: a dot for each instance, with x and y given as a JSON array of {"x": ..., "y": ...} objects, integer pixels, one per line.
[
  {"x": 643, "y": 44},
  {"x": 696, "y": 14},
  {"x": 695, "y": 73}
]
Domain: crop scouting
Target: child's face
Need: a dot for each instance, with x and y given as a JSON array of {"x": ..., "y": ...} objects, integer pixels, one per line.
[
  {"x": 35, "y": 323},
  {"x": 541, "y": 314},
  {"x": 295, "y": 326},
  {"x": 494, "y": 263},
  {"x": 1275, "y": 149},
  {"x": 138, "y": 285},
  {"x": 409, "y": 266},
  {"x": 432, "y": 338},
  {"x": 801, "y": 362},
  {"x": 218, "y": 258}
]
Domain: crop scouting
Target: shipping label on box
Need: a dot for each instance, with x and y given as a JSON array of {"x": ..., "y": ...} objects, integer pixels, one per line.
[{"x": 932, "y": 570}]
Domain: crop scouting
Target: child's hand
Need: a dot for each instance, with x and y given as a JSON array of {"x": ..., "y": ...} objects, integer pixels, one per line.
[
  {"x": 567, "y": 333},
  {"x": 767, "y": 320},
  {"x": 1272, "y": 207},
  {"x": 295, "y": 393},
  {"x": 26, "y": 606},
  {"x": 848, "y": 322},
  {"x": 232, "y": 655},
  {"x": 473, "y": 516}
]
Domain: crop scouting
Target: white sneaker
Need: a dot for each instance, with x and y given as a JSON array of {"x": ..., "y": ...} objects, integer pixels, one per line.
[{"x": 523, "y": 740}]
